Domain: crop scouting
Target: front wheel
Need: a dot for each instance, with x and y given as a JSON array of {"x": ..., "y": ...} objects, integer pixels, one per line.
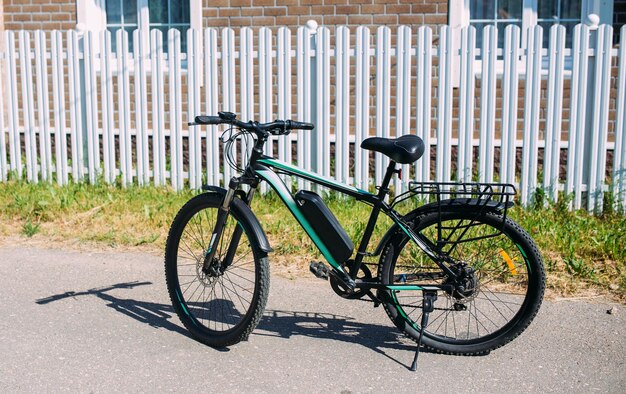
[
  {"x": 497, "y": 290},
  {"x": 220, "y": 306}
]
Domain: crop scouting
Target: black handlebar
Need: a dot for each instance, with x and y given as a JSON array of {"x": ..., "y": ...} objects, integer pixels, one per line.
[
  {"x": 300, "y": 125},
  {"x": 277, "y": 127},
  {"x": 204, "y": 120}
]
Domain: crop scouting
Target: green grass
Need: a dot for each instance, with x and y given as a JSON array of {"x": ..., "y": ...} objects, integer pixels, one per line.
[
  {"x": 581, "y": 251},
  {"x": 588, "y": 248},
  {"x": 29, "y": 229}
]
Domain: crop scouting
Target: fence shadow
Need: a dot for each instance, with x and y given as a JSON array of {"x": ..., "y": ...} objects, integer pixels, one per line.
[{"x": 275, "y": 323}]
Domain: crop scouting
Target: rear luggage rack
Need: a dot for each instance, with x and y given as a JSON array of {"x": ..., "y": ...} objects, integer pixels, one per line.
[
  {"x": 474, "y": 198},
  {"x": 473, "y": 195}
]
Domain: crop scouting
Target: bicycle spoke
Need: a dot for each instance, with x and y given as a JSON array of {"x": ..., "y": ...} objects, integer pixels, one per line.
[
  {"x": 242, "y": 288},
  {"x": 246, "y": 279},
  {"x": 229, "y": 305},
  {"x": 241, "y": 301},
  {"x": 494, "y": 294},
  {"x": 486, "y": 317}
]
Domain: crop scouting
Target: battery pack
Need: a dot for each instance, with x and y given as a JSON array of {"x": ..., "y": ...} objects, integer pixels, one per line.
[{"x": 325, "y": 225}]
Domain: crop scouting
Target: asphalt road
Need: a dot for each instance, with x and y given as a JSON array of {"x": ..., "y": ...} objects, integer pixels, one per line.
[{"x": 75, "y": 321}]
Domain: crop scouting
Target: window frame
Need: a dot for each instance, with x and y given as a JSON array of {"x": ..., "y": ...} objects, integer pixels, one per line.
[
  {"x": 91, "y": 15},
  {"x": 459, "y": 17}
]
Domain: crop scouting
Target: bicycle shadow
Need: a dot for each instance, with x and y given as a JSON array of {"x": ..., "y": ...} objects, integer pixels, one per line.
[
  {"x": 274, "y": 323},
  {"x": 328, "y": 326},
  {"x": 154, "y": 314}
]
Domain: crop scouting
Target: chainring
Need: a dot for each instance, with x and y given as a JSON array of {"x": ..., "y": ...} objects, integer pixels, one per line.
[{"x": 364, "y": 274}]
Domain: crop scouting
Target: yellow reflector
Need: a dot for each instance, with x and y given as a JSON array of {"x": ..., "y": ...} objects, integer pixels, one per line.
[{"x": 509, "y": 262}]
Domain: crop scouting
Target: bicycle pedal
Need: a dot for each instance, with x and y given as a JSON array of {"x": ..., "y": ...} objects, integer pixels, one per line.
[{"x": 319, "y": 269}]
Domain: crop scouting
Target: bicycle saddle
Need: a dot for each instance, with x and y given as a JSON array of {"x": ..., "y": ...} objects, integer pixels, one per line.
[{"x": 404, "y": 150}]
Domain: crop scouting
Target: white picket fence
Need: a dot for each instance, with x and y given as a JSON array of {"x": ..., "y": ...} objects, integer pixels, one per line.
[{"x": 75, "y": 111}]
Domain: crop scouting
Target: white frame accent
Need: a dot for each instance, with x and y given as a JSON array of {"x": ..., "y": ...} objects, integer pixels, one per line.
[{"x": 91, "y": 15}]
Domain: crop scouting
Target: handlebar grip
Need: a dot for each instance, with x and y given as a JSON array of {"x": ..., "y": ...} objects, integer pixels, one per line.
[
  {"x": 293, "y": 125},
  {"x": 203, "y": 120}
]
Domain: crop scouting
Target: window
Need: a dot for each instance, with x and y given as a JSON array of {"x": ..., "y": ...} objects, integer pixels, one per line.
[
  {"x": 149, "y": 14},
  {"x": 121, "y": 14},
  {"x": 172, "y": 14},
  {"x": 525, "y": 14},
  {"x": 564, "y": 12},
  {"x": 498, "y": 13}
]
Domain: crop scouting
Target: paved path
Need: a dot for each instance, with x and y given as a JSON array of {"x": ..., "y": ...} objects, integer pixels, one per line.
[{"x": 101, "y": 322}]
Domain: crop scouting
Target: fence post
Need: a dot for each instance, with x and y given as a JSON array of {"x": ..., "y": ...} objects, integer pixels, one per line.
[
  {"x": 3, "y": 142},
  {"x": 619, "y": 158},
  {"x": 15, "y": 149},
  {"x": 284, "y": 92},
  {"x": 362, "y": 107},
  {"x": 81, "y": 30},
  {"x": 423, "y": 99},
  {"x": 444, "y": 107},
  {"x": 577, "y": 114},
  {"x": 322, "y": 103},
  {"x": 310, "y": 154},
  {"x": 30, "y": 143},
  {"x": 554, "y": 116},
  {"x": 532, "y": 97},
  {"x": 307, "y": 98},
  {"x": 597, "y": 129}
]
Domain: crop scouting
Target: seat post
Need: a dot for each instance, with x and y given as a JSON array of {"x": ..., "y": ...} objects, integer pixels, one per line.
[{"x": 384, "y": 187}]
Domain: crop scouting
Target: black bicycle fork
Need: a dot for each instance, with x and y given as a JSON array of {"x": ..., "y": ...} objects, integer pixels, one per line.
[{"x": 210, "y": 262}]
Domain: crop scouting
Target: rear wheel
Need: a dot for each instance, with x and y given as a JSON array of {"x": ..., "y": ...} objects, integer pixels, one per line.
[
  {"x": 497, "y": 293},
  {"x": 218, "y": 306}
]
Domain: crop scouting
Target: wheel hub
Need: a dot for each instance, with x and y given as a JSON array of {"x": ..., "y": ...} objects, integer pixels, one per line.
[
  {"x": 210, "y": 274},
  {"x": 466, "y": 284},
  {"x": 214, "y": 269}
]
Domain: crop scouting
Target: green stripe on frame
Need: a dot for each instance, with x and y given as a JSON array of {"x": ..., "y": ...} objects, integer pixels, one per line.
[
  {"x": 404, "y": 287},
  {"x": 298, "y": 171}
]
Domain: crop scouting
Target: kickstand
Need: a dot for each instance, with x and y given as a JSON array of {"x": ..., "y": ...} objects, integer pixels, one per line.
[{"x": 428, "y": 301}]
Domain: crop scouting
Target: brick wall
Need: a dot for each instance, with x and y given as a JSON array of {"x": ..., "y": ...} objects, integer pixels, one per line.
[
  {"x": 61, "y": 14},
  {"x": 39, "y": 14},
  {"x": 295, "y": 13}
]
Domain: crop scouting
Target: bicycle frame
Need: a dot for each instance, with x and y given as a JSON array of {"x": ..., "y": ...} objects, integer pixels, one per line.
[
  {"x": 260, "y": 168},
  {"x": 263, "y": 169}
]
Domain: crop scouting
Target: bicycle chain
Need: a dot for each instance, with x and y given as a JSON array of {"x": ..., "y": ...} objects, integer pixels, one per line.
[
  {"x": 403, "y": 305},
  {"x": 380, "y": 302}
]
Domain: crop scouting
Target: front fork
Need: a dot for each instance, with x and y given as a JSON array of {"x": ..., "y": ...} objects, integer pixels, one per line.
[{"x": 211, "y": 264}]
